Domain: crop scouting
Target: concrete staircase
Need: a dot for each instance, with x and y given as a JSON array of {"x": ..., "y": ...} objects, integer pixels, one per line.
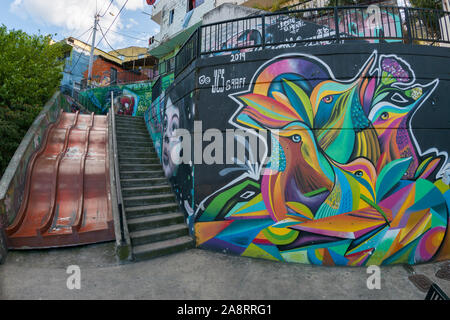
[{"x": 154, "y": 220}]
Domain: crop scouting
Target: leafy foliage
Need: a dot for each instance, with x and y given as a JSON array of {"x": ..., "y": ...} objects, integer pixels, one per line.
[
  {"x": 30, "y": 71},
  {"x": 276, "y": 5},
  {"x": 429, "y": 4}
]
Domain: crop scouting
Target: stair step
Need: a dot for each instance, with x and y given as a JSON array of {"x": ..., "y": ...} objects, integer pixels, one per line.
[
  {"x": 141, "y": 130},
  {"x": 131, "y": 135},
  {"x": 145, "y": 182},
  {"x": 131, "y": 119},
  {"x": 135, "y": 122},
  {"x": 154, "y": 221},
  {"x": 139, "y": 201},
  {"x": 130, "y": 148},
  {"x": 159, "y": 234},
  {"x": 128, "y": 133},
  {"x": 137, "y": 154},
  {"x": 129, "y": 161},
  {"x": 161, "y": 248},
  {"x": 151, "y": 210},
  {"x": 135, "y": 139},
  {"x": 139, "y": 139},
  {"x": 129, "y": 153},
  {"x": 140, "y": 166},
  {"x": 130, "y": 123},
  {"x": 136, "y": 191},
  {"x": 141, "y": 174},
  {"x": 135, "y": 118},
  {"x": 136, "y": 144}
]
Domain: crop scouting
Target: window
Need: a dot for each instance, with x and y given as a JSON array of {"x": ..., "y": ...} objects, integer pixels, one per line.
[
  {"x": 192, "y": 4},
  {"x": 171, "y": 64},
  {"x": 113, "y": 78},
  {"x": 171, "y": 15}
]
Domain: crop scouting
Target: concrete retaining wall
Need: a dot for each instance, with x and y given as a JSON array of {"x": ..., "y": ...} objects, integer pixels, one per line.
[
  {"x": 12, "y": 183},
  {"x": 370, "y": 182}
]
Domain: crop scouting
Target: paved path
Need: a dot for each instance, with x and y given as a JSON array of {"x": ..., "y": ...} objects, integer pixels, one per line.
[{"x": 194, "y": 274}]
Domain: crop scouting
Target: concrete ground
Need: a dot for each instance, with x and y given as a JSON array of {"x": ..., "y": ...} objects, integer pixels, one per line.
[{"x": 194, "y": 274}]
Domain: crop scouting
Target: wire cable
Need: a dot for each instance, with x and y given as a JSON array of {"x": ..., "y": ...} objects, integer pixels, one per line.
[
  {"x": 127, "y": 35},
  {"x": 114, "y": 50},
  {"x": 78, "y": 37},
  {"x": 112, "y": 23},
  {"x": 107, "y": 9},
  {"x": 83, "y": 49}
]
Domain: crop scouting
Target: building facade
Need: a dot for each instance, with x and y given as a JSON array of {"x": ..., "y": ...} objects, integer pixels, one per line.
[
  {"x": 178, "y": 19},
  {"x": 132, "y": 64}
]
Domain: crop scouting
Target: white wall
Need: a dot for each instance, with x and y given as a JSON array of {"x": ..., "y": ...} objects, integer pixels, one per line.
[{"x": 180, "y": 10}]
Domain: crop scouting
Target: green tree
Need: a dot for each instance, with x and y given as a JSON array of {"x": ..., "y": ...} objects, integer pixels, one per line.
[
  {"x": 275, "y": 6},
  {"x": 30, "y": 72},
  {"x": 428, "y": 4},
  {"x": 426, "y": 22}
]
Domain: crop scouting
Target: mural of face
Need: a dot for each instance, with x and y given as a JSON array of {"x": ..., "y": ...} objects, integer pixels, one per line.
[
  {"x": 171, "y": 142},
  {"x": 126, "y": 102}
]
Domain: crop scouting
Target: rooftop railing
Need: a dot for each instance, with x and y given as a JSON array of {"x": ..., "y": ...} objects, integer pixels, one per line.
[{"x": 317, "y": 26}]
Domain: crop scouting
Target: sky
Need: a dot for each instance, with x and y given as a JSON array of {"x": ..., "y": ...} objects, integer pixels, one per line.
[{"x": 64, "y": 18}]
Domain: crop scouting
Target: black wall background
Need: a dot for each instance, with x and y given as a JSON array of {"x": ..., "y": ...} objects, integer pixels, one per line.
[{"x": 431, "y": 123}]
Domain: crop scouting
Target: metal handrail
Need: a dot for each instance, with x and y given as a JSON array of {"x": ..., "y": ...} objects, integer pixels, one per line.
[
  {"x": 416, "y": 24},
  {"x": 117, "y": 174}
]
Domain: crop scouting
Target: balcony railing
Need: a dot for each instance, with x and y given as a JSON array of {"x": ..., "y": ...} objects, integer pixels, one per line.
[
  {"x": 110, "y": 78},
  {"x": 317, "y": 26}
]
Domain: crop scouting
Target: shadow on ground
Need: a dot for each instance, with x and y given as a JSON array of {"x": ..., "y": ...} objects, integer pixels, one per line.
[{"x": 194, "y": 274}]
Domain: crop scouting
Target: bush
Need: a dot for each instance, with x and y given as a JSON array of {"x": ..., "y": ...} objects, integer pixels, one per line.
[{"x": 30, "y": 72}]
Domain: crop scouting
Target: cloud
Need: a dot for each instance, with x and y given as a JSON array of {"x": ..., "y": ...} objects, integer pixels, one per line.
[
  {"x": 132, "y": 23},
  {"x": 75, "y": 17}
]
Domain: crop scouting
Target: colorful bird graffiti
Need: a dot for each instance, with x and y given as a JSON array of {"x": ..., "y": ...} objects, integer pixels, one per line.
[{"x": 346, "y": 182}]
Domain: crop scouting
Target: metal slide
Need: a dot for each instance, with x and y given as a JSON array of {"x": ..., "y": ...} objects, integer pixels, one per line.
[{"x": 66, "y": 199}]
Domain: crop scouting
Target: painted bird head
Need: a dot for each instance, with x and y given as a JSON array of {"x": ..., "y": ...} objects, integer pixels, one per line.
[
  {"x": 391, "y": 116},
  {"x": 326, "y": 104},
  {"x": 344, "y": 131},
  {"x": 298, "y": 171}
]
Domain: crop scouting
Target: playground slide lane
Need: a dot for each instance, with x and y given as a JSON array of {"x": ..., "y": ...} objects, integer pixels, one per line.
[
  {"x": 69, "y": 190},
  {"x": 97, "y": 216},
  {"x": 96, "y": 204},
  {"x": 68, "y": 201},
  {"x": 41, "y": 186}
]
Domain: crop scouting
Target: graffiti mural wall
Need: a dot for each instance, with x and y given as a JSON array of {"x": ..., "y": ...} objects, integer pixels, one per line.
[
  {"x": 130, "y": 99},
  {"x": 352, "y": 159},
  {"x": 172, "y": 110}
]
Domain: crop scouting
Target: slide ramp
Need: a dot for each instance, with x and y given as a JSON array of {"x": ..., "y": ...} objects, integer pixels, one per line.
[{"x": 66, "y": 198}]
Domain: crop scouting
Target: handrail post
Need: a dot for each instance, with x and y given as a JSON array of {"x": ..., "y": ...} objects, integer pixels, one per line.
[
  {"x": 199, "y": 42},
  {"x": 336, "y": 24},
  {"x": 263, "y": 40},
  {"x": 116, "y": 172},
  {"x": 408, "y": 25}
]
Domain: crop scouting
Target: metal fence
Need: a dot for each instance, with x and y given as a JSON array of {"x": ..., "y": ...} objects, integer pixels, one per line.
[
  {"x": 317, "y": 26},
  {"x": 188, "y": 53},
  {"x": 109, "y": 78},
  {"x": 166, "y": 66},
  {"x": 157, "y": 88}
]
